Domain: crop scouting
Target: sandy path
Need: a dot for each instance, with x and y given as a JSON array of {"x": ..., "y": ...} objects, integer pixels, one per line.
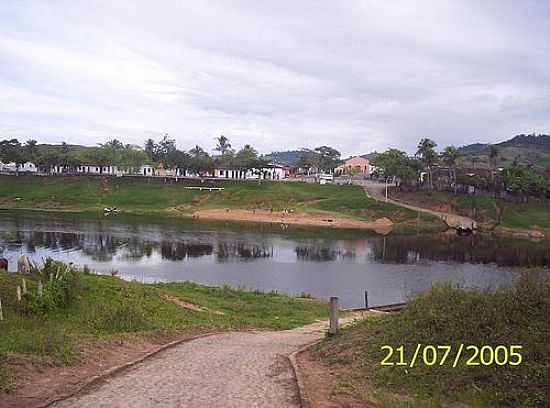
[
  {"x": 249, "y": 369},
  {"x": 377, "y": 191}
]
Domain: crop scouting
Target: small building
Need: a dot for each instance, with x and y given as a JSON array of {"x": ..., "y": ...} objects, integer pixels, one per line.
[
  {"x": 359, "y": 163},
  {"x": 96, "y": 169},
  {"x": 147, "y": 170},
  {"x": 12, "y": 167},
  {"x": 270, "y": 172}
]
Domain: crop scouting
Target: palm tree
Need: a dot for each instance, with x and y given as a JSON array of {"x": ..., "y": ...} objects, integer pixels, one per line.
[
  {"x": 450, "y": 156},
  {"x": 426, "y": 153},
  {"x": 493, "y": 155},
  {"x": 223, "y": 145}
]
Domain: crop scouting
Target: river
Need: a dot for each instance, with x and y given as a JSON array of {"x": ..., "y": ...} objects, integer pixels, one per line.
[{"x": 296, "y": 260}]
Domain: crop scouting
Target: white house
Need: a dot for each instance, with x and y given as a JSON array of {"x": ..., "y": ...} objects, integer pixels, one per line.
[
  {"x": 96, "y": 169},
  {"x": 11, "y": 167},
  {"x": 28, "y": 167},
  {"x": 272, "y": 172},
  {"x": 147, "y": 170}
]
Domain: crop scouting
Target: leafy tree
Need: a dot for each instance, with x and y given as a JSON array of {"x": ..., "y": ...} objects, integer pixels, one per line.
[
  {"x": 329, "y": 158},
  {"x": 322, "y": 158},
  {"x": 427, "y": 155},
  {"x": 200, "y": 161},
  {"x": 31, "y": 150},
  {"x": 247, "y": 158},
  {"x": 150, "y": 148},
  {"x": 11, "y": 151},
  {"x": 396, "y": 163}
]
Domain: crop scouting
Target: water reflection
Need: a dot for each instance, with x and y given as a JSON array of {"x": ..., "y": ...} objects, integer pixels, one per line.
[
  {"x": 323, "y": 263},
  {"x": 105, "y": 246},
  {"x": 450, "y": 248}
]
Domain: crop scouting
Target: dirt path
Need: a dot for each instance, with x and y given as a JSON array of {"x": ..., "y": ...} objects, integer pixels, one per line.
[
  {"x": 245, "y": 369},
  {"x": 377, "y": 191}
]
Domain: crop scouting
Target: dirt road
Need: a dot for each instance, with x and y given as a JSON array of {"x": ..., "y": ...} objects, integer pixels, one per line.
[
  {"x": 239, "y": 369},
  {"x": 377, "y": 191}
]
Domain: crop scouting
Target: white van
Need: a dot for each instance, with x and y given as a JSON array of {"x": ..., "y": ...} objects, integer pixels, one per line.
[{"x": 326, "y": 178}]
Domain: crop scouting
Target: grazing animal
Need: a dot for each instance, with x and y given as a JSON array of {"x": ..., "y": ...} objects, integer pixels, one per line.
[
  {"x": 23, "y": 265},
  {"x": 4, "y": 263}
]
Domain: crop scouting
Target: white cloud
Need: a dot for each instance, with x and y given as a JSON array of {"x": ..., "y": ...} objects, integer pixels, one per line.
[{"x": 359, "y": 75}]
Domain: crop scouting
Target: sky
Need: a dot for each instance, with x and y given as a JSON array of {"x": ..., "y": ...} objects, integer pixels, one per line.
[{"x": 358, "y": 75}]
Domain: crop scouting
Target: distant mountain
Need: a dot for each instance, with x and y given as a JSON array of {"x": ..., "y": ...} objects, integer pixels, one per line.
[
  {"x": 289, "y": 156},
  {"x": 473, "y": 148},
  {"x": 532, "y": 150},
  {"x": 534, "y": 140}
]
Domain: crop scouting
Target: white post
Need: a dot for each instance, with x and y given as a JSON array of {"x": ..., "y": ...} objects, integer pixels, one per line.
[
  {"x": 1, "y": 314},
  {"x": 40, "y": 288},
  {"x": 19, "y": 293},
  {"x": 24, "y": 285},
  {"x": 333, "y": 327}
]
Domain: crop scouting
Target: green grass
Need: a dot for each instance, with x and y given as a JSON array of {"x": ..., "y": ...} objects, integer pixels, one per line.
[
  {"x": 448, "y": 315},
  {"x": 107, "y": 306},
  {"x": 152, "y": 196},
  {"x": 533, "y": 215}
]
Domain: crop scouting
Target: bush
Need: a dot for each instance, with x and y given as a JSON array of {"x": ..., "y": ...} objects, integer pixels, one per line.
[{"x": 61, "y": 287}]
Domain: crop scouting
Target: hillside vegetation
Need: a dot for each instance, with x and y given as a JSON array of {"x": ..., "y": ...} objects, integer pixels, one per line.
[
  {"x": 150, "y": 196},
  {"x": 533, "y": 150},
  {"x": 488, "y": 211}
]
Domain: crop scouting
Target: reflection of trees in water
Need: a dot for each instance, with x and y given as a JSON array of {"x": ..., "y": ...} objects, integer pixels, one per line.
[
  {"x": 178, "y": 251},
  {"x": 322, "y": 253},
  {"x": 450, "y": 248},
  {"x": 239, "y": 250}
]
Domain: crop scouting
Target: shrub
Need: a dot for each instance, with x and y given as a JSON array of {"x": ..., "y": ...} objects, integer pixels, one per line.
[{"x": 60, "y": 289}]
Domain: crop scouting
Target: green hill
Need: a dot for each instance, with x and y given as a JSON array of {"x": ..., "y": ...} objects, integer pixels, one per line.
[{"x": 533, "y": 150}]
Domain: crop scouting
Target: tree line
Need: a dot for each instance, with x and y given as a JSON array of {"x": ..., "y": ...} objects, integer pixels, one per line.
[
  {"x": 518, "y": 179},
  {"x": 162, "y": 152}
]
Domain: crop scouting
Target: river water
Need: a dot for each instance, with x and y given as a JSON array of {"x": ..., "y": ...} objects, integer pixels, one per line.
[{"x": 319, "y": 262}]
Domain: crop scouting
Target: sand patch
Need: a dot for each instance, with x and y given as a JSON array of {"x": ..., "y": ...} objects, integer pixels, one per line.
[{"x": 381, "y": 225}]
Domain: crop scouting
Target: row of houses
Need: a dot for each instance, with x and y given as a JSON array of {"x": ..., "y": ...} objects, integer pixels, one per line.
[{"x": 272, "y": 171}]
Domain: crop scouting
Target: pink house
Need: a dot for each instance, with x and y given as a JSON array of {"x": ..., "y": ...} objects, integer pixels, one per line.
[{"x": 356, "y": 162}]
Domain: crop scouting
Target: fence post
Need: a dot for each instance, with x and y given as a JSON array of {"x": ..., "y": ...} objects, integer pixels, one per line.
[
  {"x": 1, "y": 314},
  {"x": 333, "y": 327}
]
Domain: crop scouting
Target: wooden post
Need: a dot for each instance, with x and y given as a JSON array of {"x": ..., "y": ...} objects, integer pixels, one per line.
[
  {"x": 40, "y": 288},
  {"x": 366, "y": 300},
  {"x": 333, "y": 327}
]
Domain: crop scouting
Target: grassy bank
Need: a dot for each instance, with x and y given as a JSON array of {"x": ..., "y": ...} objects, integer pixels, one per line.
[
  {"x": 447, "y": 315},
  {"x": 487, "y": 210},
  {"x": 142, "y": 196},
  {"x": 104, "y": 306}
]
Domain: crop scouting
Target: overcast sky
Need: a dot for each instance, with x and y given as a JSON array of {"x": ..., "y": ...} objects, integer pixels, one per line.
[{"x": 357, "y": 75}]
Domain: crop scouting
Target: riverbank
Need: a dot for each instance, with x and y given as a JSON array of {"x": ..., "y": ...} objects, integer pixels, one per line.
[
  {"x": 348, "y": 366},
  {"x": 302, "y": 203},
  {"x": 47, "y": 351},
  {"x": 492, "y": 215}
]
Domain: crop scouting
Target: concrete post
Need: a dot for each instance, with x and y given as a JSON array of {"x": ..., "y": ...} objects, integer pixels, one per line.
[{"x": 333, "y": 327}]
